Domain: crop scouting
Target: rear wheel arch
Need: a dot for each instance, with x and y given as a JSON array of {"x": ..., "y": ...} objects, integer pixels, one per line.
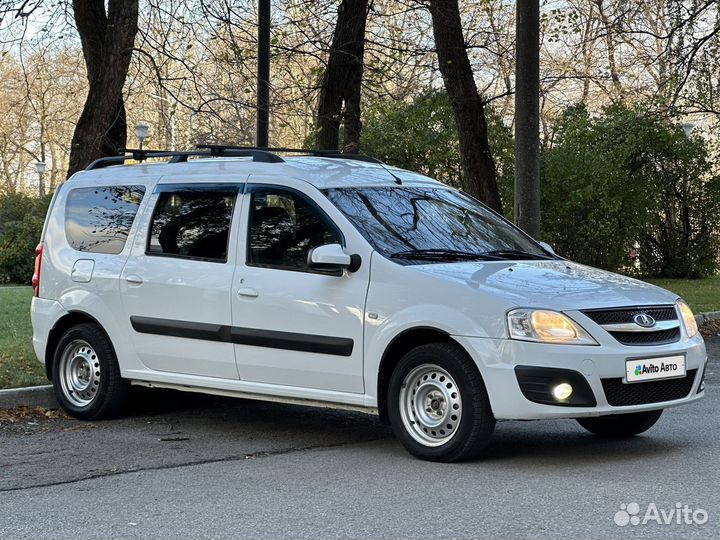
[
  {"x": 85, "y": 373},
  {"x": 62, "y": 325},
  {"x": 397, "y": 348}
]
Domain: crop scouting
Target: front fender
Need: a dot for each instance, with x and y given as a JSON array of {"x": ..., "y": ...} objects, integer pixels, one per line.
[{"x": 400, "y": 298}]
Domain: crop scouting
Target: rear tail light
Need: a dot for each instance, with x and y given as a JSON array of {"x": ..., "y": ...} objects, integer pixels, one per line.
[{"x": 38, "y": 264}]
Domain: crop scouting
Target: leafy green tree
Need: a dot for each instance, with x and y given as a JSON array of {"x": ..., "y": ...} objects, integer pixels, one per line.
[
  {"x": 421, "y": 135},
  {"x": 681, "y": 239},
  {"x": 628, "y": 191},
  {"x": 21, "y": 223}
]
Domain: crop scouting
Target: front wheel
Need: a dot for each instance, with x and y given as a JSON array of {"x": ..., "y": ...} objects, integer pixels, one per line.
[
  {"x": 438, "y": 406},
  {"x": 621, "y": 425},
  {"x": 86, "y": 375}
]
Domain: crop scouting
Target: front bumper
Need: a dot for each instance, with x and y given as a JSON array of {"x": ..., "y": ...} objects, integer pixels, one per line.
[{"x": 497, "y": 360}]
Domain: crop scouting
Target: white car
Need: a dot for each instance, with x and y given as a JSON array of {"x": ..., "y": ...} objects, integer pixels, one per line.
[{"x": 340, "y": 282}]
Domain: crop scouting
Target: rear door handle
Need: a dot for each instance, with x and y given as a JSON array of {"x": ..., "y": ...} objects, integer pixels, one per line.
[
  {"x": 133, "y": 279},
  {"x": 247, "y": 291}
]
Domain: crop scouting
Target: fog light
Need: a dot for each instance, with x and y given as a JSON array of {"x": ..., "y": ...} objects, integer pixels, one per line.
[{"x": 562, "y": 391}]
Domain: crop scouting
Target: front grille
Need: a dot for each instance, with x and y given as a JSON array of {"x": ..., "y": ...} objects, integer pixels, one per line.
[
  {"x": 661, "y": 337},
  {"x": 619, "y": 394},
  {"x": 625, "y": 315}
]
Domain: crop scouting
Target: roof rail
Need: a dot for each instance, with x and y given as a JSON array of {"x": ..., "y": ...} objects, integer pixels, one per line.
[
  {"x": 308, "y": 151},
  {"x": 126, "y": 154},
  {"x": 312, "y": 152},
  {"x": 262, "y": 155},
  {"x": 222, "y": 147}
]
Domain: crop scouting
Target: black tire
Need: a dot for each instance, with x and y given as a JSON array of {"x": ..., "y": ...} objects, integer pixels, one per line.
[
  {"x": 86, "y": 376},
  {"x": 476, "y": 423},
  {"x": 621, "y": 425}
]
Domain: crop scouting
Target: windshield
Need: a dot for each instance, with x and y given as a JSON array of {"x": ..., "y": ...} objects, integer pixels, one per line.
[{"x": 432, "y": 224}]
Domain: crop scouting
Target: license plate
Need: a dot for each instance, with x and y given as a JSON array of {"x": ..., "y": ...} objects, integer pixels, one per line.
[{"x": 652, "y": 369}]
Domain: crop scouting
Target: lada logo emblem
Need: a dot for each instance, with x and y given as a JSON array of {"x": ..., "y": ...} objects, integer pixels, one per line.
[{"x": 644, "y": 320}]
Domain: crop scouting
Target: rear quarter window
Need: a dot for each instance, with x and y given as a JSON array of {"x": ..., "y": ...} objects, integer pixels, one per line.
[{"x": 99, "y": 219}]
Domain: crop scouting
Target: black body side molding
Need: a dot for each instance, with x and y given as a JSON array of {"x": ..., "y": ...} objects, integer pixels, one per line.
[{"x": 272, "y": 339}]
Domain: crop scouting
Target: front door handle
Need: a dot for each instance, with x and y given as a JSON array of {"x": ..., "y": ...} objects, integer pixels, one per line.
[
  {"x": 133, "y": 279},
  {"x": 247, "y": 291}
]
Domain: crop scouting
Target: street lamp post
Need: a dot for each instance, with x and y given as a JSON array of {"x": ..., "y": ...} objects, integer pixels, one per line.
[
  {"x": 169, "y": 106},
  {"x": 141, "y": 132},
  {"x": 40, "y": 169},
  {"x": 263, "y": 75}
]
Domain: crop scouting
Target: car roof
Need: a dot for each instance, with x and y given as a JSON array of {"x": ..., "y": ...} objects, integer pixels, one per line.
[{"x": 321, "y": 172}]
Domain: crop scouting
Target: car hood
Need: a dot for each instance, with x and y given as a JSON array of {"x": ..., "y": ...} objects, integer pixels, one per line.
[{"x": 555, "y": 284}]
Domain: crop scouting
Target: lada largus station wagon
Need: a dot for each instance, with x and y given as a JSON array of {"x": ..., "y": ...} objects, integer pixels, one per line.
[{"x": 337, "y": 281}]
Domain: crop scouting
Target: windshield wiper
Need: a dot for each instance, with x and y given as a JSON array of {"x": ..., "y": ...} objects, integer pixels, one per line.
[
  {"x": 517, "y": 254},
  {"x": 444, "y": 255}
]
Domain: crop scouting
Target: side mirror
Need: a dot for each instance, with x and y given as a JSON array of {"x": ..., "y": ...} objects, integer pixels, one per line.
[
  {"x": 547, "y": 247},
  {"x": 332, "y": 257}
]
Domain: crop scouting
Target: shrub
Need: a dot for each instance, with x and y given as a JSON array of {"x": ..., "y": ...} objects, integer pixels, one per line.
[
  {"x": 421, "y": 135},
  {"x": 629, "y": 191},
  {"x": 21, "y": 223}
]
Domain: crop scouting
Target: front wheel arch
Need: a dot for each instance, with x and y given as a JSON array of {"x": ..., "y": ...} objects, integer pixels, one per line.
[
  {"x": 438, "y": 404},
  {"x": 398, "y": 347}
]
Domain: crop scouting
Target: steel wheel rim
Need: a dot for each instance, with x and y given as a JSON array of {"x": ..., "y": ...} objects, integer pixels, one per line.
[
  {"x": 79, "y": 372},
  {"x": 430, "y": 405}
]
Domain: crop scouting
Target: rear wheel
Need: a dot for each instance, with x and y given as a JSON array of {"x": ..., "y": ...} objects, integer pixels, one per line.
[
  {"x": 621, "y": 425},
  {"x": 86, "y": 375},
  {"x": 438, "y": 405}
]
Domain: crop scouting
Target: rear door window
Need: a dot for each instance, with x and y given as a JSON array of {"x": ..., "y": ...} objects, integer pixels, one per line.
[
  {"x": 193, "y": 224},
  {"x": 99, "y": 219}
]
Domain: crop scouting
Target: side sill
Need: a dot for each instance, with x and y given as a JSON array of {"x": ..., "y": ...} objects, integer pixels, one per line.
[{"x": 255, "y": 396}]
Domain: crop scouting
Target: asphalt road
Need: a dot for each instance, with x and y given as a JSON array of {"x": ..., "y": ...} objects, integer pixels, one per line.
[{"x": 191, "y": 466}]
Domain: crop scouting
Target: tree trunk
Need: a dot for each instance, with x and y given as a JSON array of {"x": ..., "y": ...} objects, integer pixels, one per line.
[
  {"x": 587, "y": 51},
  {"x": 611, "y": 53},
  {"x": 479, "y": 175},
  {"x": 343, "y": 78},
  {"x": 116, "y": 136},
  {"x": 352, "y": 124},
  {"x": 107, "y": 41},
  {"x": 527, "y": 117}
]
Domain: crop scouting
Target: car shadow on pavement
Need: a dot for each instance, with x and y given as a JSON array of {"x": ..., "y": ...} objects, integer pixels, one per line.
[
  {"x": 174, "y": 417},
  {"x": 564, "y": 443},
  {"x": 210, "y": 416},
  {"x": 151, "y": 401},
  {"x": 559, "y": 441}
]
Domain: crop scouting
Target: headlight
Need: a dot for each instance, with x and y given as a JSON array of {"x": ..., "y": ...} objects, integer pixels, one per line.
[
  {"x": 547, "y": 327},
  {"x": 691, "y": 327}
]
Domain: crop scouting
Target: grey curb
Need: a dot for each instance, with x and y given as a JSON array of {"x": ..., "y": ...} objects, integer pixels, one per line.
[
  {"x": 43, "y": 396},
  {"x": 33, "y": 396},
  {"x": 709, "y": 316}
]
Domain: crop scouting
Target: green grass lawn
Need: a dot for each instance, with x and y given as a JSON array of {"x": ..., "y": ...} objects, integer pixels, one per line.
[
  {"x": 702, "y": 294},
  {"x": 19, "y": 367}
]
